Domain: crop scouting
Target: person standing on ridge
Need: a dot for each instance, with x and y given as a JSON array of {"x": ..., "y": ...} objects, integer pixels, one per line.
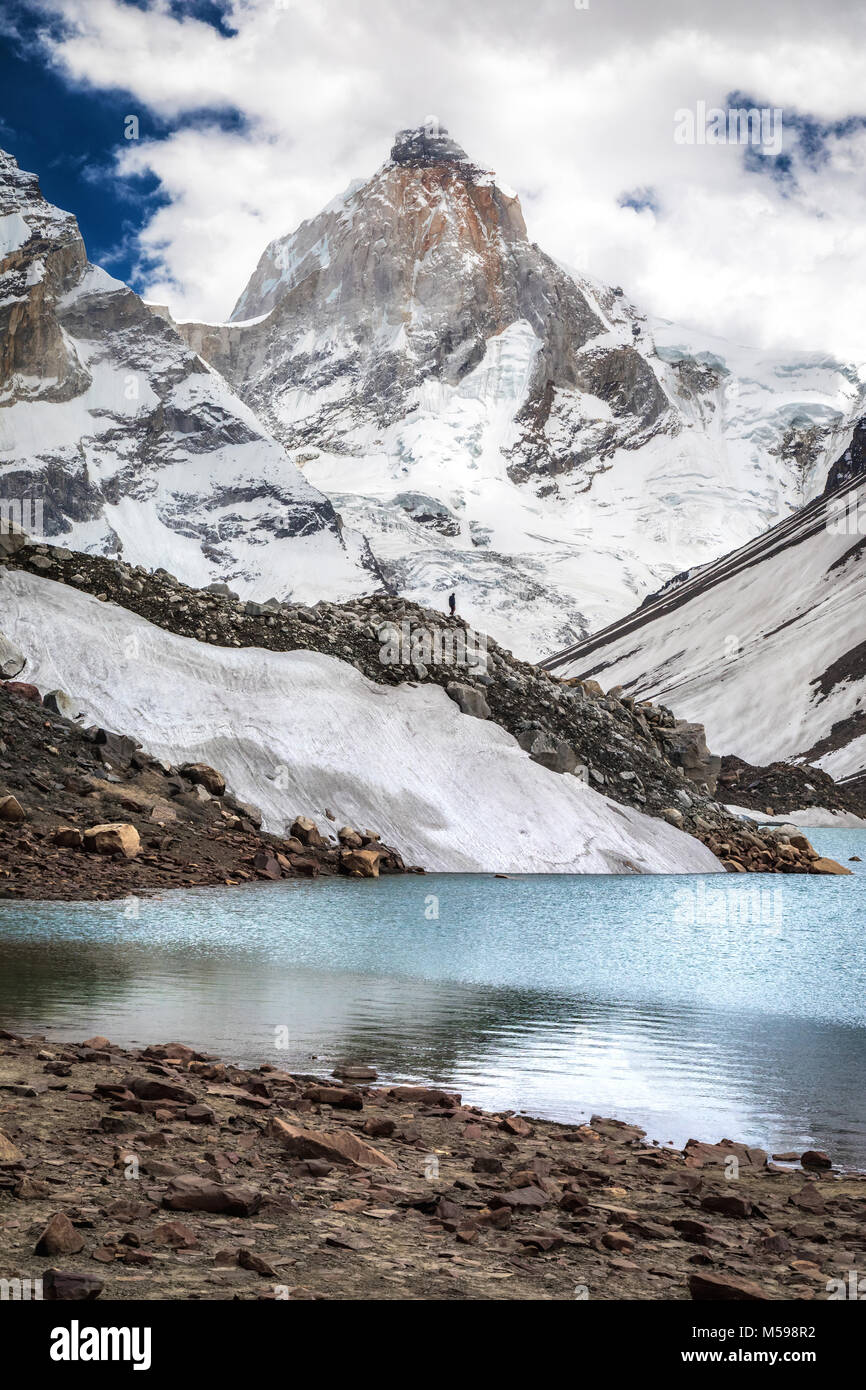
[{"x": 452, "y": 603}]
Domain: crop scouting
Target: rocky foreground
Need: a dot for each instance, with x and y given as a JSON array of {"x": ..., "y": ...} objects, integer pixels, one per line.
[
  {"x": 165, "y": 1174},
  {"x": 85, "y": 814}
]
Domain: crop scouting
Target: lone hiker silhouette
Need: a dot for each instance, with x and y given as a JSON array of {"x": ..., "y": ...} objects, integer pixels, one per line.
[{"x": 452, "y": 603}]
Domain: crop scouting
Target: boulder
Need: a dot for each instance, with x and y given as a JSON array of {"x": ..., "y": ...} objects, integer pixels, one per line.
[
  {"x": 468, "y": 699},
  {"x": 59, "y": 1237},
  {"x": 555, "y": 754},
  {"x": 10, "y": 1155},
  {"x": 190, "y": 1192},
  {"x": 117, "y": 747},
  {"x": 336, "y": 1146},
  {"x": 828, "y": 866},
  {"x": 12, "y": 661},
  {"x": 11, "y": 809},
  {"x": 266, "y": 865},
  {"x": 361, "y": 863},
  {"x": 349, "y": 837},
  {"x": 61, "y": 703},
  {"x": 24, "y": 691},
  {"x": 68, "y": 837},
  {"x": 204, "y": 776},
  {"x": 151, "y": 1088},
  {"x": 12, "y": 539},
  {"x": 426, "y": 1095},
  {"x": 175, "y": 1235},
  {"x": 115, "y": 837},
  {"x": 687, "y": 748},
  {"x": 306, "y": 830},
  {"x": 816, "y": 1158},
  {"x": 70, "y": 1285},
  {"x": 723, "y": 1287}
]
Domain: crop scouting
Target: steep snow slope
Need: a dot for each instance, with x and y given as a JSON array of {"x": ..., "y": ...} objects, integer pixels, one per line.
[
  {"x": 130, "y": 442},
  {"x": 766, "y": 646},
  {"x": 299, "y": 731},
  {"x": 497, "y": 423}
]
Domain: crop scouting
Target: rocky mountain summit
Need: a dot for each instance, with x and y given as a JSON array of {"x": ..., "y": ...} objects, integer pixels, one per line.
[
  {"x": 127, "y": 443},
  {"x": 636, "y": 753},
  {"x": 494, "y": 421}
]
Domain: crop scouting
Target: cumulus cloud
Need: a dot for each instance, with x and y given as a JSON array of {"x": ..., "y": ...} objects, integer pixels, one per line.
[{"x": 573, "y": 107}]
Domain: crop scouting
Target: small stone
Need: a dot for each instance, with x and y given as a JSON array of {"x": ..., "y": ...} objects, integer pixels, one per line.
[{"x": 59, "y": 1237}]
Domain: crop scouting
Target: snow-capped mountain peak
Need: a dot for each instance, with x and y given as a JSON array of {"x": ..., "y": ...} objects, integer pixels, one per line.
[{"x": 129, "y": 443}]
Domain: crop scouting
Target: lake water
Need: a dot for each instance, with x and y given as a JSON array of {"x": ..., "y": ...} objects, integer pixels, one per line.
[{"x": 720, "y": 1006}]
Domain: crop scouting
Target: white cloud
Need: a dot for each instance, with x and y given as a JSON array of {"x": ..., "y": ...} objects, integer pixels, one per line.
[{"x": 571, "y": 107}]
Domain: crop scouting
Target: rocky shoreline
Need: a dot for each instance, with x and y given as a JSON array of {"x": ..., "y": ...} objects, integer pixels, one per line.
[{"x": 164, "y": 1173}]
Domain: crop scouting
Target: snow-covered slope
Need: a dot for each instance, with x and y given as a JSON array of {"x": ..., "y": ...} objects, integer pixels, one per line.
[
  {"x": 766, "y": 646},
  {"x": 299, "y": 731},
  {"x": 496, "y": 423},
  {"x": 130, "y": 443}
]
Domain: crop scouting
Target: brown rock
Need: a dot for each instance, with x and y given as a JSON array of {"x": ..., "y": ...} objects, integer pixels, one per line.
[
  {"x": 339, "y": 1096},
  {"x": 24, "y": 690},
  {"x": 722, "y": 1287},
  {"x": 10, "y": 1154},
  {"x": 353, "y": 1072},
  {"x": 68, "y": 837},
  {"x": 151, "y": 1088},
  {"x": 175, "y": 1235},
  {"x": 248, "y": 1259},
  {"x": 828, "y": 866},
  {"x": 815, "y": 1158},
  {"x": 11, "y": 809},
  {"x": 59, "y": 1237},
  {"x": 266, "y": 865},
  {"x": 307, "y": 832},
  {"x": 497, "y": 1217},
  {"x": 617, "y": 1240},
  {"x": 203, "y": 776},
  {"x": 199, "y": 1115},
  {"x": 809, "y": 1199},
  {"x": 380, "y": 1128},
  {"x": 70, "y": 1285},
  {"x": 337, "y": 1146},
  {"x": 115, "y": 837},
  {"x": 521, "y": 1199},
  {"x": 514, "y": 1124},
  {"x": 361, "y": 863},
  {"x": 425, "y": 1095},
  {"x": 190, "y": 1192},
  {"x": 727, "y": 1203}
]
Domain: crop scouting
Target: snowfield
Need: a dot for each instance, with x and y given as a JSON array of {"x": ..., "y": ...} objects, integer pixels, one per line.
[
  {"x": 764, "y": 647},
  {"x": 296, "y": 732}
]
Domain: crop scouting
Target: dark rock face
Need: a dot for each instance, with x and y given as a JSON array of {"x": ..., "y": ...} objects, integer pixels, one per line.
[
  {"x": 852, "y": 464},
  {"x": 426, "y": 145}
]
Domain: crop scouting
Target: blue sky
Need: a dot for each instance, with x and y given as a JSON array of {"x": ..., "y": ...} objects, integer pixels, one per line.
[
  {"x": 70, "y": 134},
  {"x": 253, "y": 114}
]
